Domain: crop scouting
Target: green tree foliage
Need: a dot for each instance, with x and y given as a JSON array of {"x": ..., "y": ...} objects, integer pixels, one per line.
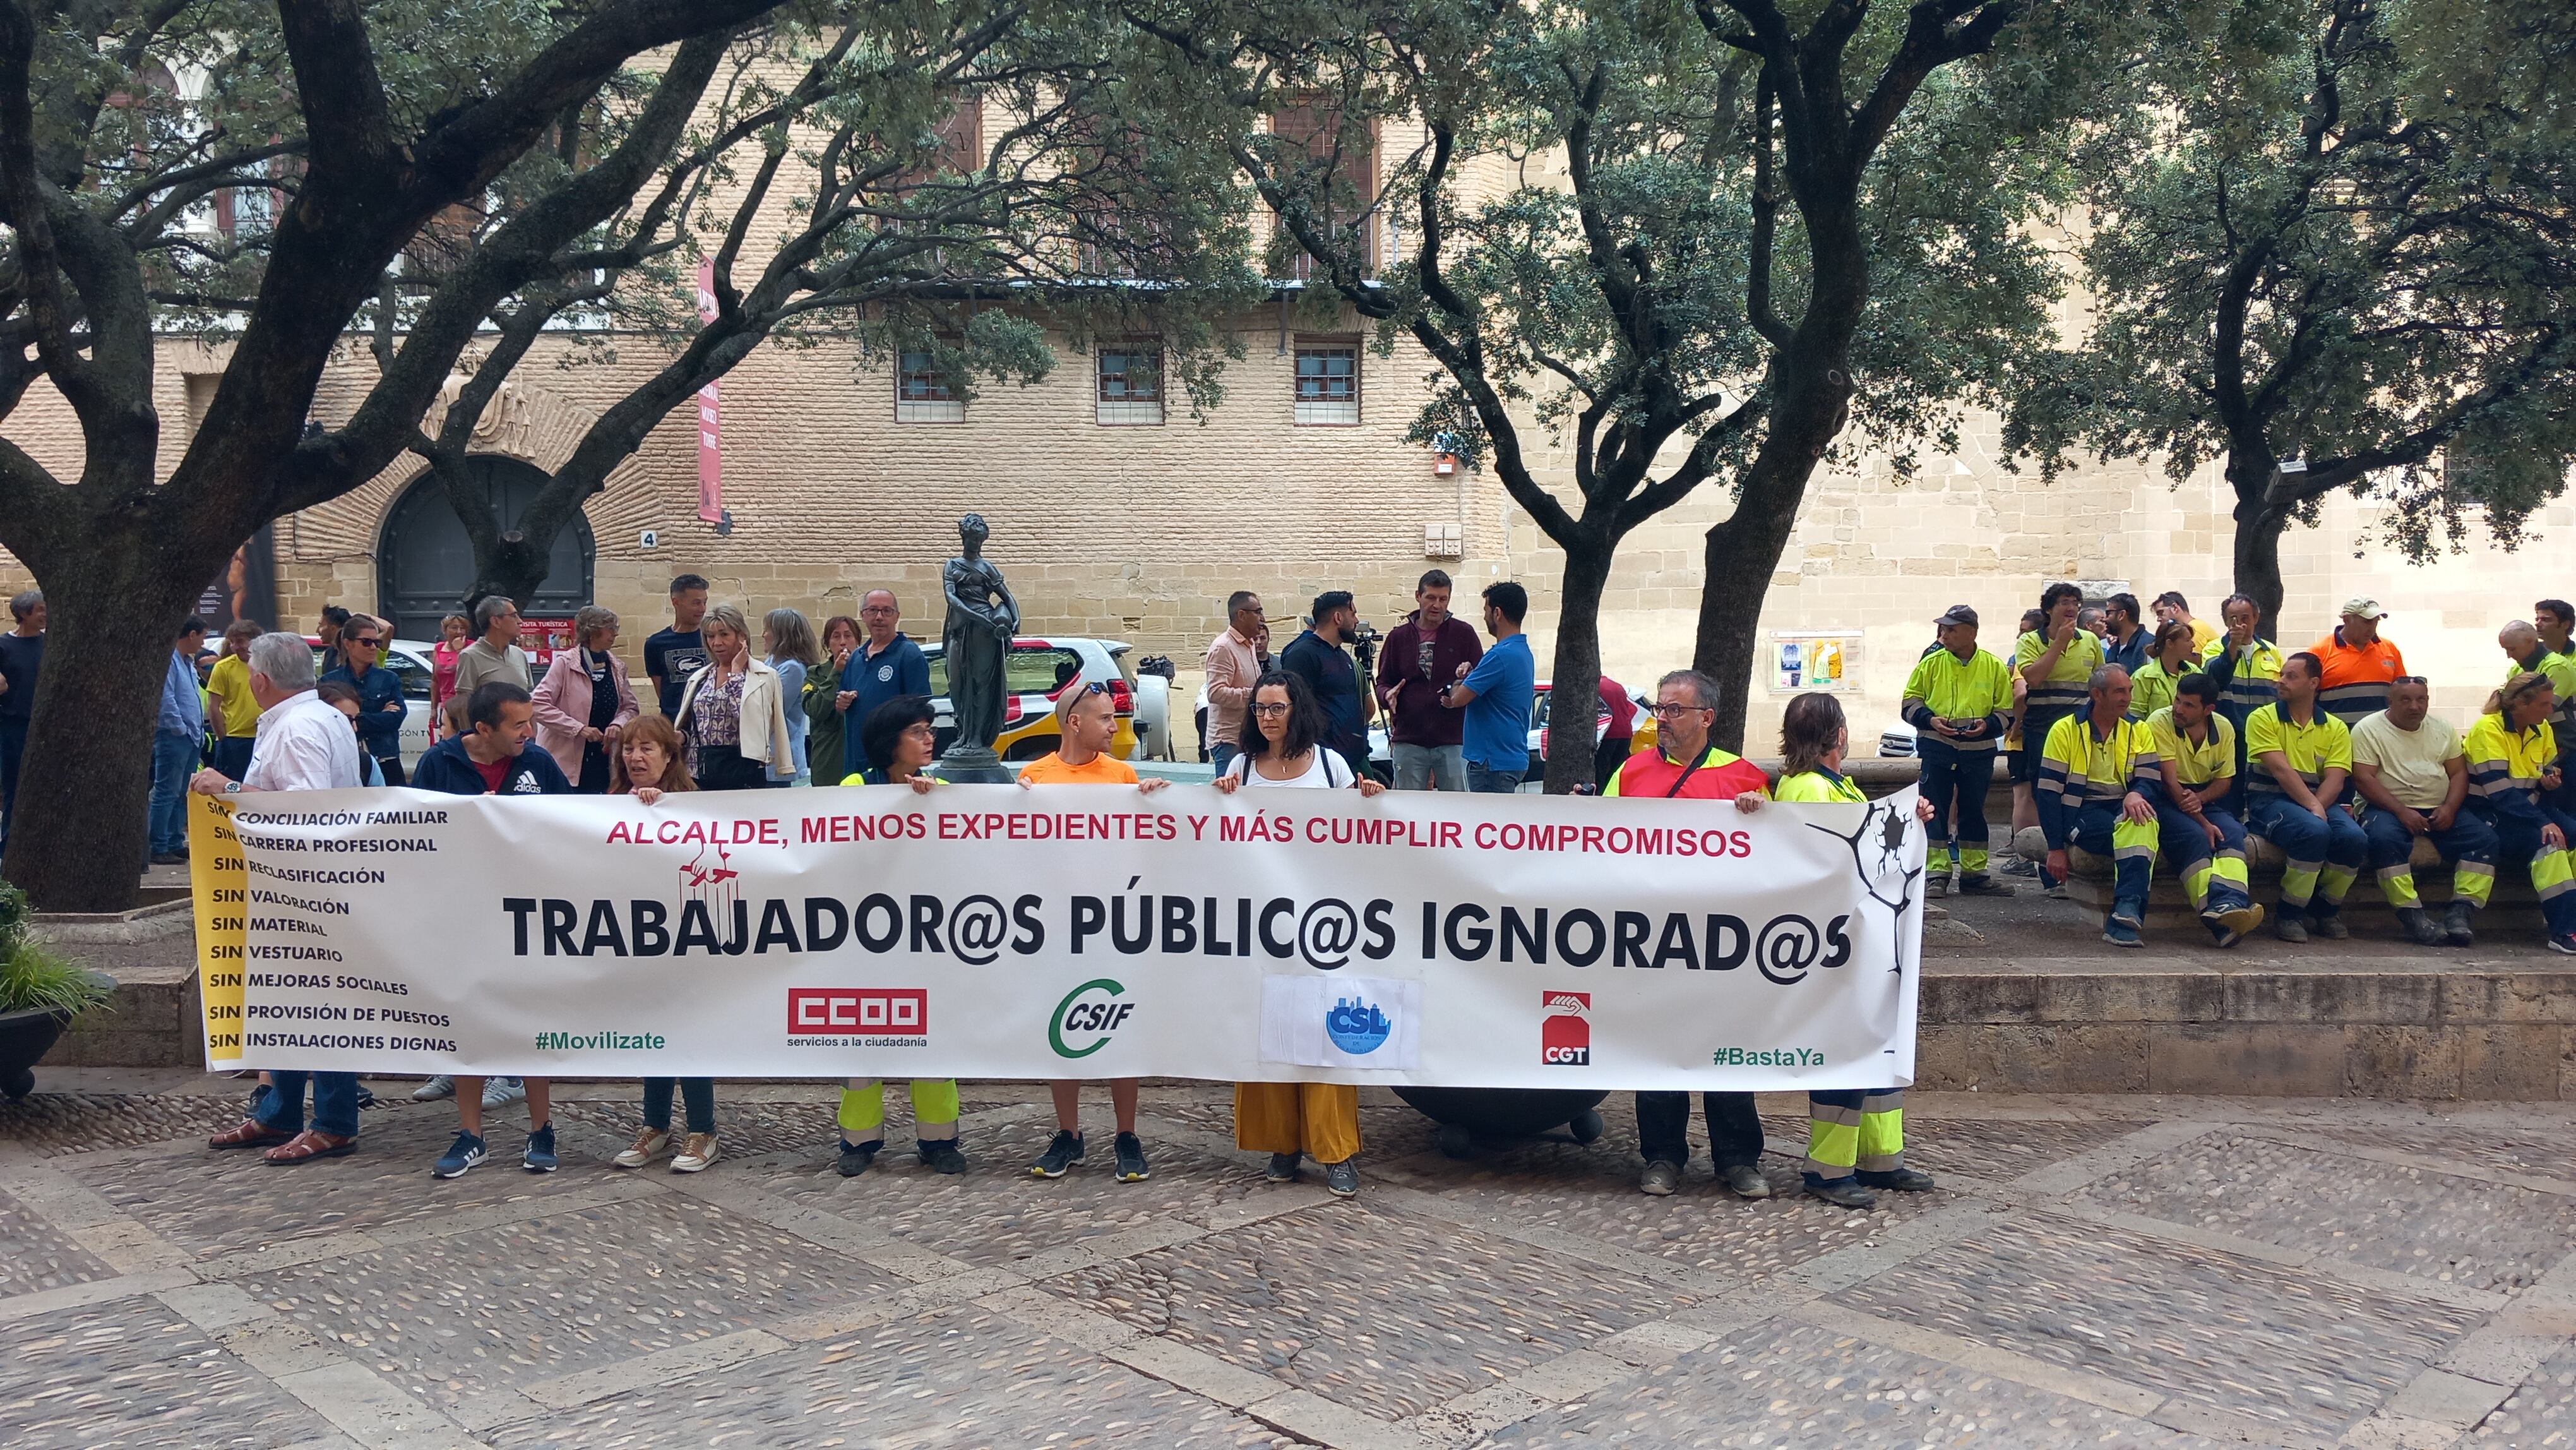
[
  {"x": 2328, "y": 252},
  {"x": 1664, "y": 239}
]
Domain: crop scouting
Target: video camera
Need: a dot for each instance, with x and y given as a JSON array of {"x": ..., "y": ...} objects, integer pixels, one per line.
[{"x": 1364, "y": 647}]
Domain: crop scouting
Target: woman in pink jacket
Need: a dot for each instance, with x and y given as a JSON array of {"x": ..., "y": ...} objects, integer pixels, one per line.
[{"x": 584, "y": 702}]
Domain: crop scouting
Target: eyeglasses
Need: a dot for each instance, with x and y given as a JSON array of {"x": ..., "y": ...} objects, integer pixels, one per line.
[
  {"x": 369, "y": 643},
  {"x": 1673, "y": 712},
  {"x": 1270, "y": 709}
]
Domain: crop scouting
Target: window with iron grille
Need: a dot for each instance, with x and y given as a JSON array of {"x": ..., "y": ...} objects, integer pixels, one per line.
[
  {"x": 1328, "y": 383},
  {"x": 1337, "y": 173},
  {"x": 1130, "y": 391},
  {"x": 924, "y": 392}
]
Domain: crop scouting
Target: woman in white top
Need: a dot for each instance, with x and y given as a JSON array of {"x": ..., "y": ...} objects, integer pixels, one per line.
[
  {"x": 1282, "y": 735},
  {"x": 733, "y": 713}
]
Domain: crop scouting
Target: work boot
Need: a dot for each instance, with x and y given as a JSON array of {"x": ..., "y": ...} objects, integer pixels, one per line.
[
  {"x": 1936, "y": 886},
  {"x": 2329, "y": 927},
  {"x": 2290, "y": 927},
  {"x": 1745, "y": 1181},
  {"x": 1902, "y": 1180},
  {"x": 2455, "y": 924},
  {"x": 1845, "y": 1192},
  {"x": 2419, "y": 927},
  {"x": 1983, "y": 886}
]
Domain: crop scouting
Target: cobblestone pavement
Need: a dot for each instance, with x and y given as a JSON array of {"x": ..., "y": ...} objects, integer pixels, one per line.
[{"x": 2137, "y": 1271}]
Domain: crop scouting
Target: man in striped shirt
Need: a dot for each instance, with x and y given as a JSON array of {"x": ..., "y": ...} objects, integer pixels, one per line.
[
  {"x": 2056, "y": 661},
  {"x": 2091, "y": 773},
  {"x": 2302, "y": 760},
  {"x": 2355, "y": 666}
]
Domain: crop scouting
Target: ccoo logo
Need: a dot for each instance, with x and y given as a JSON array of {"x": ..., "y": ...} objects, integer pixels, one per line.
[
  {"x": 1565, "y": 1036},
  {"x": 1088, "y": 1012},
  {"x": 1358, "y": 1025}
]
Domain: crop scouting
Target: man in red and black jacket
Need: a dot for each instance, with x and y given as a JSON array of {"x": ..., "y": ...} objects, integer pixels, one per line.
[
  {"x": 1684, "y": 766},
  {"x": 1423, "y": 656}
]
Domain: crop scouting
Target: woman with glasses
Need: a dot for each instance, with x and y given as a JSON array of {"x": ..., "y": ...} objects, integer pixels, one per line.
[
  {"x": 585, "y": 703},
  {"x": 1283, "y": 733},
  {"x": 900, "y": 743}
]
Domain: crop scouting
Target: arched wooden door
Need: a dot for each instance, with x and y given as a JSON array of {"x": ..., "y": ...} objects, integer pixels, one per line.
[{"x": 424, "y": 563}]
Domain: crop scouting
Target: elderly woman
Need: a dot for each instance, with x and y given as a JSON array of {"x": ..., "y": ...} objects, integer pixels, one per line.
[{"x": 584, "y": 703}]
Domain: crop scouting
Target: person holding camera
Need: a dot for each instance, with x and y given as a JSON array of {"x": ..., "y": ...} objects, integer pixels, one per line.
[{"x": 1317, "y": 657}]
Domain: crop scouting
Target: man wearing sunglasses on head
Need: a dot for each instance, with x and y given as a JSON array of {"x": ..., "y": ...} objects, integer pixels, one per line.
[
  {"x": 1684, "y": 766},
  {"x": 380, "y": 694}
]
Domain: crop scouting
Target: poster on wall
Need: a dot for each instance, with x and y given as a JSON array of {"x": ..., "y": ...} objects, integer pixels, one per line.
[
  {"x": 541, "y": 635},
  {"x": 247, "y": 589},
  {"x": 1827, "y": 660}
]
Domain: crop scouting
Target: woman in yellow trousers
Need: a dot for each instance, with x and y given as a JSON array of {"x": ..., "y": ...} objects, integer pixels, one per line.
[{"x": 1282, "y": 733}]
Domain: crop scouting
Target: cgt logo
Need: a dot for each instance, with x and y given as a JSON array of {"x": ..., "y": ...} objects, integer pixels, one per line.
[
  {"x": 1565, "y": 1035},
  {"x": 1088, "y": 1012},
  {"x": 871, "y": 1011}
]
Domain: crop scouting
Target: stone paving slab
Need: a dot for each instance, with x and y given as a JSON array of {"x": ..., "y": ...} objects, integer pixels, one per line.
[
  {"x": 56, "y": 1123},
  {"x": 962, "y": 1378},
  {"x": 2274, "y": 1343},
  {"x": 2541, "y": 1413},
  {"x": 34, "y": 1256},
  {"x": 530, "y": 1301},
  {"x": 1794, "y": 1386},
  {"x": 2535, "y": 1153},
  {"x": 217, "y": 1203},
  {"x": 1383, "y": 1313},
  {"x": 133, "y": 1374},
  {"x": 2451, "y": 1230}
]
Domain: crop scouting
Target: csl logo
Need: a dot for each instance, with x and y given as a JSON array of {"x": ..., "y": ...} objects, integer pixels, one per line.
[
  {"x": 873, "y": 1011},
  {"x": 1565, "y": 1036},
  {"x": 1357, "y": 1026},
  {"x": 1082, "y": 1014}
]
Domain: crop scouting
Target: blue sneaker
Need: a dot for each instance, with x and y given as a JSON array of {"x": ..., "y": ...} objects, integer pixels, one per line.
[
  {"x": 2119, "y": 934},
  {"x": 540, "y": 1157},
  {"x": 462, "y": 1154}
]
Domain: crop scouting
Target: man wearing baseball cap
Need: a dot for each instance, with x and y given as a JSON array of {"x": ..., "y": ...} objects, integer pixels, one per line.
[
  {"x": 1956, "y": 700},
  {"x": 2356, "y": 665}
]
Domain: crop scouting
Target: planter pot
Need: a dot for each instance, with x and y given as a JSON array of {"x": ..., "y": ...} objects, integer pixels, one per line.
[
  {"x": 1468, "y": 1116},
  {"x": 25, "y": 1038}
]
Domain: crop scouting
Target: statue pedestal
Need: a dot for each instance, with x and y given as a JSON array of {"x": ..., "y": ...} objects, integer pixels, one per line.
[{"x": 972, "y": 765}]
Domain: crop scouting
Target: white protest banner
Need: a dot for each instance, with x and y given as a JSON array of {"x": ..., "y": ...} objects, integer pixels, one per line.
[{"x": 1086, "y": 931}]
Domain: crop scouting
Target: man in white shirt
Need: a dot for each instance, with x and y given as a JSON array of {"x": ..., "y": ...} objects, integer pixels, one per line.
[
  {"x": 302, "y": 742},
  {"x": 2413, "y": 776}
]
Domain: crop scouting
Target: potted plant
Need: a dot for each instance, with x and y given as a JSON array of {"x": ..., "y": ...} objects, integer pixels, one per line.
[{"x": 41, "y": 991}]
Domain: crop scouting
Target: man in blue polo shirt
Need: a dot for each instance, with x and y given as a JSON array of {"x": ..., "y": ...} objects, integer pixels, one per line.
[
  {"x": 1496, "y": 696},
  {"x": 887, "y": 665}
]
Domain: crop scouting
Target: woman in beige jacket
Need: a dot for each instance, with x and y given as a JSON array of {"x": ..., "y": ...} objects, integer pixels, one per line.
[
  {"x": 733, "y": 711},
  {"x": 584, "y": 703}
]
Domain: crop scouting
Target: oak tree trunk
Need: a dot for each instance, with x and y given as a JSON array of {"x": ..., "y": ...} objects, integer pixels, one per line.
[{"x": 1574, "y": 683}]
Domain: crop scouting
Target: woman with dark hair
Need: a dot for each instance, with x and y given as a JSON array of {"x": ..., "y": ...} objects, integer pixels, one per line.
[
  {"x": 1855, "y": 1137},
  {"x": 824, "y": 750},
  {"x": 1282, "y": 728},
  {"x": 2172, "y": 656},
  {"x": 899, "y": 742}
]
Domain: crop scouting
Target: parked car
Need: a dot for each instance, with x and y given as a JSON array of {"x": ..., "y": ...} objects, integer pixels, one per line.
[
  {"x": 1379, "y": 754},
  {"x": 1896, "y": 739},
  {"x": 409, "y": 659},
  {"x": 1038, "y": 670}
]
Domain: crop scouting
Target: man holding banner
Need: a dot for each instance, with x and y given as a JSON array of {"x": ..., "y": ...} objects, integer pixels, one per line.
[
  {"x": 1684, "y": 766},
  {"x": 302, "y": 742}
]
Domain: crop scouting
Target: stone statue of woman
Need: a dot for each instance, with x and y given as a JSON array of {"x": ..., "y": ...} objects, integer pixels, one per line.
[{"x": 976, "y": 639}]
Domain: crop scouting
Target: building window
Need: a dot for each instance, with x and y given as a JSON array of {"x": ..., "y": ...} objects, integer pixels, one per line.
[
  {"x": 1131, "y": 386},
  {"x": 1337, "y": 174},
  {"x": 1328, "y": 383},
  {"x": 923, "y": 390}
]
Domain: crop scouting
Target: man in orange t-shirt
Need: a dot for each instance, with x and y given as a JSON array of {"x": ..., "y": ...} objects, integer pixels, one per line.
[
  {"x": 2356, "y": 665},
  {"x": 1086, "y": 721}
]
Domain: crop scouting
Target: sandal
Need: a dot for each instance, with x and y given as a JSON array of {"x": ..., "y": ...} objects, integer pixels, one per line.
[
  {"x": 252, "y": 1133},
  {"x": 310, "y": 1144}
]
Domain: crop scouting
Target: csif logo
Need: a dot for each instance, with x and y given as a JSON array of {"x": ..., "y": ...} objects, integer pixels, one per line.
[
  {"x": 1088, "y": 1011},
  {"x": 1565, "y": 1035}
]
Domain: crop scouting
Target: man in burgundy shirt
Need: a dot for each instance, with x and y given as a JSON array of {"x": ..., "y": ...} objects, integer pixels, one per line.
[
  {"x": 1684, "y": 766},
  {"x": 1421, "y": 657}
]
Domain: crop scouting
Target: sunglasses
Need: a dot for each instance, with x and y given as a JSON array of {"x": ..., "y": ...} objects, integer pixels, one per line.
[
  {"x": 368, "y": 643},
  {"x": 2411, "y": 680}
]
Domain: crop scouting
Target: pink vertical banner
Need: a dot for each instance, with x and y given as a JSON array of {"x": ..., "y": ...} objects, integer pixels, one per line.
[{"x": 710, "y": 424}]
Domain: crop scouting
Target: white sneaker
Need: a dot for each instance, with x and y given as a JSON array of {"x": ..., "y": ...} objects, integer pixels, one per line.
[
  {"x": 695, "y": 1154},
  {"x": 500, "y": 1092},
  {"x": 441, "y": 1086},
  {"x": 649, "y": 1144}
]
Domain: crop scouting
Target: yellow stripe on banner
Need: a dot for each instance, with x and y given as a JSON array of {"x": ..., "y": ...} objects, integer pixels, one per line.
[{"x": 218, "y": 882}]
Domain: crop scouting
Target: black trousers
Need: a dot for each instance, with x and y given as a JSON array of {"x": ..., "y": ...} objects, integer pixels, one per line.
[{"x": 1734, "y": 1127}]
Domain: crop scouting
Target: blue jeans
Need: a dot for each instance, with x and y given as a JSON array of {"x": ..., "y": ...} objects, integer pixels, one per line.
[
  {"x": 232, "y": 756},
  {"x": 13, "y": 748},
  {"x": 1421, "y": 767},
  {"x": 335, "y": 1103},
  {"x": 1222, "y": 754},
  {"x": 174, "y": 759},
  {"x": 1485, "y": 780}
]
